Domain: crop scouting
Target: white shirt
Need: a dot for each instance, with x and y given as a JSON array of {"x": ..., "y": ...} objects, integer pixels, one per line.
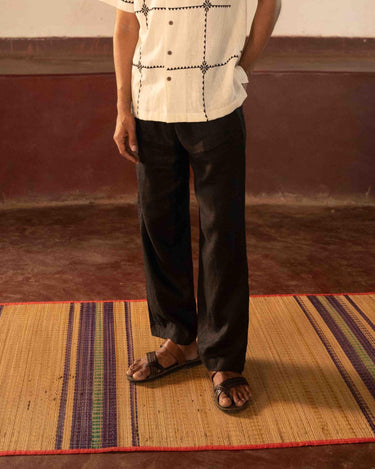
[{"x": 185, "y": 63}]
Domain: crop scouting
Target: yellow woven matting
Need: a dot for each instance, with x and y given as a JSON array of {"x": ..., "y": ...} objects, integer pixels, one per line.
[{"x": 63, "y": 389}]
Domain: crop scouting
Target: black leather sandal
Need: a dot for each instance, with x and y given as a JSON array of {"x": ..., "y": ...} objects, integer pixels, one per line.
[
  {"x": 225, "y": 387},
  {"x": 157, "y": 370}
]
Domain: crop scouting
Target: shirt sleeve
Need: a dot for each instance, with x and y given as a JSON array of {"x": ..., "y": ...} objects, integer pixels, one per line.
[{"x": 125, "y": 5}]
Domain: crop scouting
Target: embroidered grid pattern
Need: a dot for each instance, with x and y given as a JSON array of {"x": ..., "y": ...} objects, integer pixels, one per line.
[
  {"x": 143, "y": 9},
  {"x": 203, "y": 66}
]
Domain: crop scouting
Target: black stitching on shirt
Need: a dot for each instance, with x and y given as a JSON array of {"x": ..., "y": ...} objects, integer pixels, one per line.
[{"x": 203, "y": 66}]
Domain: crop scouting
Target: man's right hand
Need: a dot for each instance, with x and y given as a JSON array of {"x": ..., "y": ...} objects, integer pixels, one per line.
[{"x": 125, "y": 136}]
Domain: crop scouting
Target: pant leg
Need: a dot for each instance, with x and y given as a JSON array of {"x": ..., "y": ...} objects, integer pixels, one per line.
[
  {"x": 164, "y": 217},
  {"x": 217, "y": 155}
]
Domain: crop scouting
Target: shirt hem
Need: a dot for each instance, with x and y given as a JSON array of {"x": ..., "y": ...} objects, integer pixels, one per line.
[{"x": 195, "y": 116}]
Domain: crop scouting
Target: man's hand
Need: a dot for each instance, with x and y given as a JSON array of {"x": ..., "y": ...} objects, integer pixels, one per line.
[{"x": 125, "y": 136}]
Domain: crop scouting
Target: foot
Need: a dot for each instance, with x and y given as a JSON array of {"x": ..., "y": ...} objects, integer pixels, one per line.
[
  {"x": 240, "y": 394},
  {"x": 140, "y": 370}
]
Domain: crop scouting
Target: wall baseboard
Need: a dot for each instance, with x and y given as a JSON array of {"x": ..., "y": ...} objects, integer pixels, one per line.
[{"x": 99, "y": 46}]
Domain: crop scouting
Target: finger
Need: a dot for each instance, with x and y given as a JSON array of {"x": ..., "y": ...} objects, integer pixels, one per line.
[
  {"x": 128, "y": 156},
  {"x": 124, "y": 151},
  {"x": 132, "y": 140},
  {"x": 131, "y": 147}
]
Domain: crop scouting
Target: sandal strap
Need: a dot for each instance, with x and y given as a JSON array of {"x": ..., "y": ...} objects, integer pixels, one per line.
[
  {"x": 174, "y": 350},
  {"x": 154, "y": 365},
  {"x": 235, "y": 381}
]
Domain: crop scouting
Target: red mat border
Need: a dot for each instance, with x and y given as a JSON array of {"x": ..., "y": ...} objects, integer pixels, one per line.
[
  {"x": 290, "y": 444},
  {"x": 144, "y": 299}
]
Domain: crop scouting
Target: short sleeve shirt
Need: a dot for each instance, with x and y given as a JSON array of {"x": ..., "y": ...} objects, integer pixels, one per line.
[{"x": 185, "y": 63}]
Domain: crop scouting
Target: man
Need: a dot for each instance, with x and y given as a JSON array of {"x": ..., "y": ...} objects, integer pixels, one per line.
[{"x": 181, "y": 70}]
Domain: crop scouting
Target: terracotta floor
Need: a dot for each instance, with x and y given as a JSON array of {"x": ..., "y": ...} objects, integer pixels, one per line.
[{"x": 93, "y": 252}]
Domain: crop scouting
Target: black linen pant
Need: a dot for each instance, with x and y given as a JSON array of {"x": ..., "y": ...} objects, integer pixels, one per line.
[{"x": 216, "y": 151}]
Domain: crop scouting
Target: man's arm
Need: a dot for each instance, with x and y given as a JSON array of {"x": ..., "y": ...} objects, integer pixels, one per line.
[
  {"x": 264, "y": 21},
  {"x": 125, "y": 38}
]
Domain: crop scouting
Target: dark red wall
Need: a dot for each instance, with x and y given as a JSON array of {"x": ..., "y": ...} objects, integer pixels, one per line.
[{"x": 309, "y": 131}]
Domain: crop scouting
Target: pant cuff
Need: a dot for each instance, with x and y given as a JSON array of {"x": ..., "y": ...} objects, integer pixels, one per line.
[{"x": 173, "y": 332}]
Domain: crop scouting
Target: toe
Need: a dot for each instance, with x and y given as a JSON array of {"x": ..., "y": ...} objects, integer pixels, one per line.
[
  {"x": 247, "y": 392},
  {"x": 239, "y": 398},
  {"x": 141, "y": 374},
  {"x": 224, "y": 400},
  {"x": 133, "y": 368},
  {"x": 236, "y": 398},
  {"x": 130, "y": 370}
]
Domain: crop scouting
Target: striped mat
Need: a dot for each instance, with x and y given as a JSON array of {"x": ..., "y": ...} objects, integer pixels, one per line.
[{"x": 63, "y": 389}]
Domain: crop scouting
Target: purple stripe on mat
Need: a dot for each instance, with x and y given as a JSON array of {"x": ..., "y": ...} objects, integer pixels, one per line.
[
  {"x": 64, "y": 390},
  {"x": 345, "y": 375},
  {"x": 109, "y": 423},
  {"x": 358, "y": 333},
  {"x": 348, "y": 348},
  {"x": 82, "y": 403},
  {"x": 354, "y": 304},
  {"x": 133, "y": 386},
  {"x": 1, "y": 309}
]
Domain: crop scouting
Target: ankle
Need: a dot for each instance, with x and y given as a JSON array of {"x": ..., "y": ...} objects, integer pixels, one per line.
[
  {"x": 190, "y": 351},
  {"x": 225, "y": 373},
  {"x": 189, "y": 346}
]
